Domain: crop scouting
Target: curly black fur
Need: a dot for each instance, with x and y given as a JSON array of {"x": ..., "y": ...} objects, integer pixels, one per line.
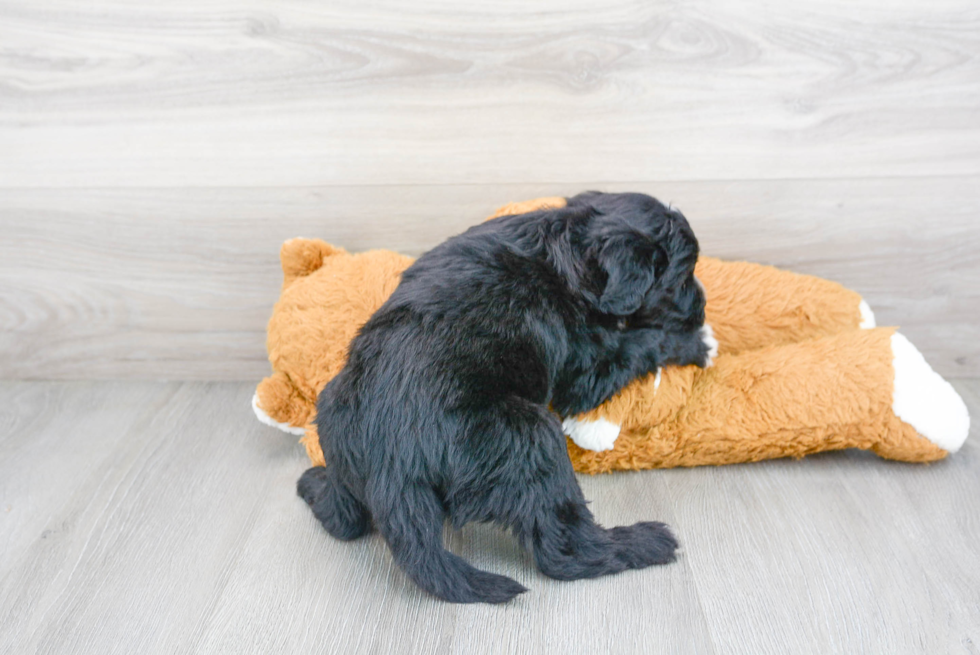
[{"x": 448, "y": 406}]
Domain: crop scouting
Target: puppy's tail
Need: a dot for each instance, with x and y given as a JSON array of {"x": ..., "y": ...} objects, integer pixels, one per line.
[{"x": 413, "y": 529}]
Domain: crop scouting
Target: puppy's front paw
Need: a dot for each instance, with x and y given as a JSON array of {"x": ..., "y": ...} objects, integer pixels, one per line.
[
  {"x": 698, "y": 347},
  {"x": 708, "y": 337}
]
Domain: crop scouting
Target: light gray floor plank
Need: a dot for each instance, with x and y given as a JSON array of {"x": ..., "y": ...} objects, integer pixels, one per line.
[
  {"x": 176, "y": 529},
  {"x": 144, "y": 543},
  {"x": 837, "y": 553},
  {"x": 351, "y": 596},
  {"x": 179, "y": 284},
  {"x": 53, "y": 438},
  {"x": 282, "y": 92}
]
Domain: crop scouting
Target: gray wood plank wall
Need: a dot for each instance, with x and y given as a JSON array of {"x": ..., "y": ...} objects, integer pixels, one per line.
[{"x": 153, "y": 156}]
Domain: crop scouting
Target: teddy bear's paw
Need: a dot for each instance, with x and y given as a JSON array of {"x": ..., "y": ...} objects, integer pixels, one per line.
[
  {"x": 595, "y": 435},
  {"x": 867, "y": 316},
  {"x": 268, "y": 420},
  {"x": 924, "y": 400},
  {"x": 708, "y": 337}
]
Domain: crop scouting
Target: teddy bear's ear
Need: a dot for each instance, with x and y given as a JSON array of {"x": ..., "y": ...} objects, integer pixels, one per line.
[{"x": 300, "y": 257}]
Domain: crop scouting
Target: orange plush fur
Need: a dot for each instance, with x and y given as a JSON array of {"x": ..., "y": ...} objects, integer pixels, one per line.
[{"x": 795, "y": 375}]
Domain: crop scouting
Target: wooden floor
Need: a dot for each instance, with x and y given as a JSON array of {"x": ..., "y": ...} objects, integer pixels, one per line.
[{"x": 161, "y": 518}]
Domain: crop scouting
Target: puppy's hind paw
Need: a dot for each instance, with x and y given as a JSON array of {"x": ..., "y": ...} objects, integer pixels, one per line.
[
  {"x": 644, "y": 544},
  {"x": 312, "y": 485},
  {"x": 341, "y": 514},
  {"x": 708, "y": 337}
]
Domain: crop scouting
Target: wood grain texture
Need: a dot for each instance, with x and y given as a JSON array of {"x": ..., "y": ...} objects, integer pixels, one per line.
[
  {"x": 161, "y": 517},
  {"x": 285, "y": 93},
  {"x": 153, "y": 158},
  {"x": 179, "y": 283},
  {"x": 39, "y": 462}
]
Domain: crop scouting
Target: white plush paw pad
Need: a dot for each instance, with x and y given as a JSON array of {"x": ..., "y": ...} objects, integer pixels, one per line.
[
  {"x": 708, "y": 337},
  {"x": 591, "y": 435},
  {"x": 268, "y": 420},
  {"x": 867, "y": 316},
  {"x": 926, "y": 401}
]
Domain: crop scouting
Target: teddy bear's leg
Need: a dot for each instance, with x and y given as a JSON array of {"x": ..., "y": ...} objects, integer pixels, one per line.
[
  {"x": 868, "y": 389},
  {"x": 343, "y": 516},
  {"x": 923, "y": 400},
  {"x": 752, "y": 306}
]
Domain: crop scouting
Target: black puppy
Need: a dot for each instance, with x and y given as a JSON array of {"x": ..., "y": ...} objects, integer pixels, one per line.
[{"x": 449, "y": 404}]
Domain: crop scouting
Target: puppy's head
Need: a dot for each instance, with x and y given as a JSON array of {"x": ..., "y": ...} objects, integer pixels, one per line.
[{"x": 640, "y": 257}]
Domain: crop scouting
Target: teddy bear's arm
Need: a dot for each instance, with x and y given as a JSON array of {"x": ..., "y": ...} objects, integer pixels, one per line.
[{"x": 278, "y": 403}]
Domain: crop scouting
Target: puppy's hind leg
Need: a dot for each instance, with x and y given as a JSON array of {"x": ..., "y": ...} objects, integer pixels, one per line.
[
  {"x": 569, "y": 545},
  {"x": 343, "y": 516},
  {"x": 548, "y": 512},
  {"x": 412, "y": 525}
]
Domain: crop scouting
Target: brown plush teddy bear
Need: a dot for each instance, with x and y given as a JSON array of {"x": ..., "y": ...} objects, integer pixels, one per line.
[{"x": 800, "y": 369}]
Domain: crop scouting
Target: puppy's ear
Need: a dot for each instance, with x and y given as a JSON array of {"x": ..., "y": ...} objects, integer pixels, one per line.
[{"x": 632, "y": 264}]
